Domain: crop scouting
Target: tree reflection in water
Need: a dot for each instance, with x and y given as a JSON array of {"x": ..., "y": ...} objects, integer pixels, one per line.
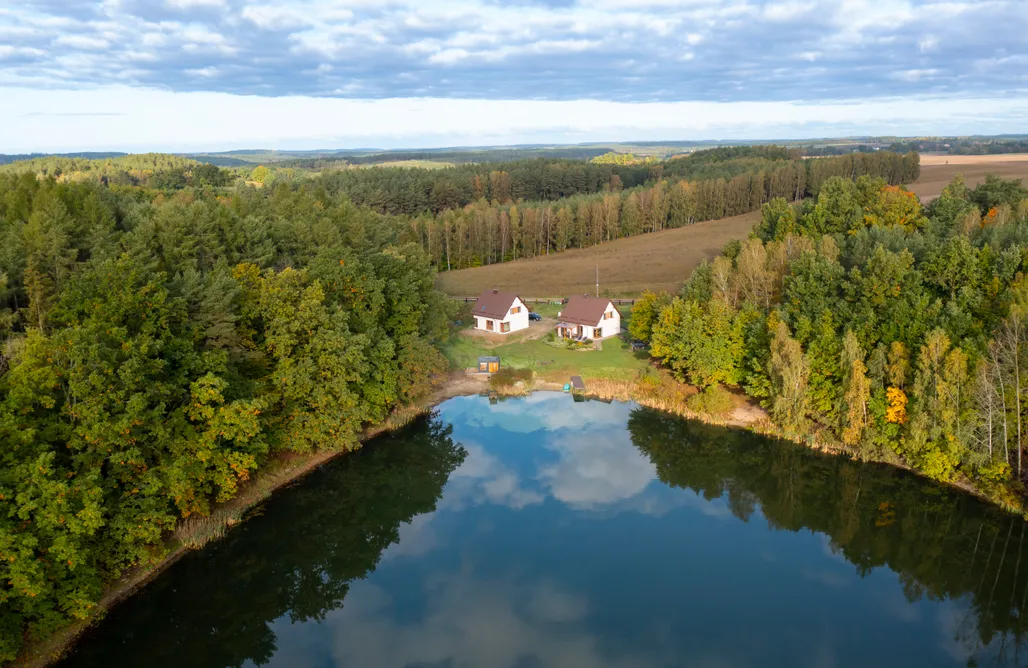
[{"x": 576, "y": 534}]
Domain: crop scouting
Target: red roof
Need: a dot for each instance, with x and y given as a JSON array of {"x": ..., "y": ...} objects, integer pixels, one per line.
[
  {"x": 494, "y": 304},
  {"x": 585, "y": 310}
]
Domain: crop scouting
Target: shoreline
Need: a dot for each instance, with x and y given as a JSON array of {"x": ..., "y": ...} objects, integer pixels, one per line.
[{"x": 195, "y": 533}]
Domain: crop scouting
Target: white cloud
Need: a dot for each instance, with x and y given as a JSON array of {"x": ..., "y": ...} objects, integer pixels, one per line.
[
  {"x": 483, "y": 478},
  {"x": 915, "y": 75},
  {"x": 191, "y": 4},
  {"x": 468, "y": 621},
  {"x": 273, "y": 17},
  {"x": 7, "y": 51},
  {"x": 203, "y": 72},
  {"x": 630, "y": 50},
  {"x": 82, "y": 42},
  {"x": 449, "y": 56},
  {"x": 596, "y": 469}
]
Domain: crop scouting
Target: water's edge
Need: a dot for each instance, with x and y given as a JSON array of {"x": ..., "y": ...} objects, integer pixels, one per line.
[{"x": 291, "y": 467}]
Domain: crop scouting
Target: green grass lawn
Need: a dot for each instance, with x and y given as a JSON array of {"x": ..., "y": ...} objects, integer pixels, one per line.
[{"x": 615, "y": 361}]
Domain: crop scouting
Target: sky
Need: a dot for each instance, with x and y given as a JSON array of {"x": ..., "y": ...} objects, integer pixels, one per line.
[{"x": 190, "y": 75}]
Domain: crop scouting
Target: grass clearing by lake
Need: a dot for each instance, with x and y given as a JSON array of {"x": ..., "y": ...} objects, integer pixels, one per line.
[{"x": 615, "y": 360}]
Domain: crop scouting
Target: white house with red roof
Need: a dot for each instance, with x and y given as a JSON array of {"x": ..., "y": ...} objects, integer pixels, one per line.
[
  {"x": 500, "y": 312},
  {"x": 586, "y": 317}
]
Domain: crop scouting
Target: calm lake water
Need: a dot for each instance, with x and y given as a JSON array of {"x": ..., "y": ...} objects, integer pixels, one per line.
[{"x": 548, "y": 532}]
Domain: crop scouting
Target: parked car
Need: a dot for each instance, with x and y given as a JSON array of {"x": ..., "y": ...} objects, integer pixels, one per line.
[
  {"x": 532, "y": 315},
  {"x": 638, "y": 345}
]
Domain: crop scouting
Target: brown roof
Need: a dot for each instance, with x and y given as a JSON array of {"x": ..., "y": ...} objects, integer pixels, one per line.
[
  {"x": 584, "y": 310},
  {"x": 494, "y": 304}
]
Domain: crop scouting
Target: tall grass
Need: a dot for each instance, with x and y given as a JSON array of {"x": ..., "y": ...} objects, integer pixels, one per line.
[{"x": 658, "y": 390}]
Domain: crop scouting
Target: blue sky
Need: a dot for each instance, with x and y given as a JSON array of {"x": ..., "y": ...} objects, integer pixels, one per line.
[{"x": 209, "y": 74}]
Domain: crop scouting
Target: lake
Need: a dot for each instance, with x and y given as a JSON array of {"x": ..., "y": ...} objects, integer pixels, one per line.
[{"x": 543, "y": 531}]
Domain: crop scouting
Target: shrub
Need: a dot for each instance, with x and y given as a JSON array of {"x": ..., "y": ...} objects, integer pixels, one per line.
[
  {"x": 715, "y": 400},
  {"x": 571, "y": 344},
  {"x": 508, "y": 377}
]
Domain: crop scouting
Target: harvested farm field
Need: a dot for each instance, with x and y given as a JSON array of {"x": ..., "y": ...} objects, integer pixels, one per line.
[
  {"x": 938, "y": 170},
  {"x": 658, "y": 261},
  {"x": 663, "y": 261}
]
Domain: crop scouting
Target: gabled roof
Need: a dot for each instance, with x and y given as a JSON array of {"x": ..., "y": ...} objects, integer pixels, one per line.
[
  {"x": 585, "y": 310},
  {"x": 494, "y": 304}
]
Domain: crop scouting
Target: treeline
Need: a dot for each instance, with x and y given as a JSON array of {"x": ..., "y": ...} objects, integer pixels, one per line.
[
  {"x": 157, "y": 351},
  {"x": 413, "y": 191},
  {"x": 964, "y": 145},
  {"x": 842, "y": 149},
  {"x": 150, "y": 170},
  {"x": 454, "y": 156},
  {"x": 7, "y": 158},
  {"x": 856, "y": 317},
  {"x": 487, "y": 232}
]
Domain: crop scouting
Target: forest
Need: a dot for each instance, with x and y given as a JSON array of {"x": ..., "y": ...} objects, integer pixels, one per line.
[
  {"x": 707, "y": 185},
  {"x": 477, "y": 214},
  {"x": 157, "y": 348},
  {"x": 964, "y": 145},
  {"x": 859, "y": 317},
  {"x": 329, "y": 533}
]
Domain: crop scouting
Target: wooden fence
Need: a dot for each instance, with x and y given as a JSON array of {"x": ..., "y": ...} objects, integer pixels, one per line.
[{"x": 545, "y": 300}]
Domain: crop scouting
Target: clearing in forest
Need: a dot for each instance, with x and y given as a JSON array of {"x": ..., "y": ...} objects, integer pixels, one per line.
[
  {"x": 657, "y": 261},
  {"x": 663, "y": 261}
]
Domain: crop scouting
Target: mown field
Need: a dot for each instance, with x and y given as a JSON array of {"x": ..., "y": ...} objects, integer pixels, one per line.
[
  {"x": 658, "y": 261},
  {"x": 938, "y": 170},
  {"x": 662, "y": 261}
]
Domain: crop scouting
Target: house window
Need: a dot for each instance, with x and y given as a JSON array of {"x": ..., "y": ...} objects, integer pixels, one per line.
[
  {"x": 608, "y": 315},
  {"x": 489, "y": 325},
  {"x": 597, "y": 332},
  {"x": 504, "y": 326},
  {"x": 515, "y": 310}
]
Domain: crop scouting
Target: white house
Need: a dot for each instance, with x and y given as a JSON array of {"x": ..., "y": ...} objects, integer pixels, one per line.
[
  {"x": 500, "y": 312},
  {"x": 586, "y": 317}
]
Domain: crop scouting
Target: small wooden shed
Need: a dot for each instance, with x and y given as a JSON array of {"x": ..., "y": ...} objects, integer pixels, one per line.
[{"x": 488, "y": 364}]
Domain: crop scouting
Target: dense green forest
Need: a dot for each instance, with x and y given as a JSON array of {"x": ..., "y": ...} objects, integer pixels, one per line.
[
  {"x": 703, "y": 186},
  {"x": 151, "y": 170},
  {"x": 328, "y": 533},
  {"x": 415, "y": 191},
  {"x": 477, "y": 214},
  {"x": 858, "y": 317},
  {"x": 158, "y": 349}
]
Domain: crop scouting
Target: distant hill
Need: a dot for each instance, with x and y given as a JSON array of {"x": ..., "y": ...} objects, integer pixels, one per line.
[{"x": 6, "y": 159}]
